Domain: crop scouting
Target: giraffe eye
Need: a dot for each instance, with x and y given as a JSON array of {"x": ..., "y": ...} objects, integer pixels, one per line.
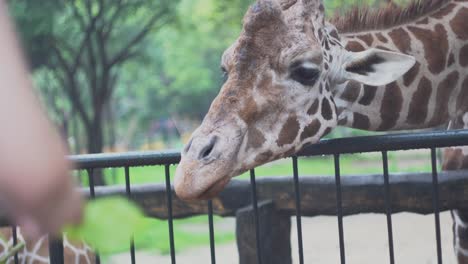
[
  {"x": 225, "y": 74},
  {"x": 305, "y": 74}
]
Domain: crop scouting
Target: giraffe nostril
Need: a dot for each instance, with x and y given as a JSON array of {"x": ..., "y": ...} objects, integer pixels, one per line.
[
  {"x": 187, "y": 147},
  {"x": 207, "y": 152},
  {"x": 208, "y": 149}
]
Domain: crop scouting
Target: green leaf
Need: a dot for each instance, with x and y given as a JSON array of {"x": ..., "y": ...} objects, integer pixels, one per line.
[{"x": 109, "y": 223}]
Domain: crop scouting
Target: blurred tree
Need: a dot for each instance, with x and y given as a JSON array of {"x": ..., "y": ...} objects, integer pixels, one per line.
[
  {"x": 97, "y": 61},
  {"x": 85, "y": 44},
  {"x": 179, "y": 75}
]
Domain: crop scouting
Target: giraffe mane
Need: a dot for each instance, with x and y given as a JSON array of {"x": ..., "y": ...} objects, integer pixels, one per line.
[{"x": 366, "y": 18}]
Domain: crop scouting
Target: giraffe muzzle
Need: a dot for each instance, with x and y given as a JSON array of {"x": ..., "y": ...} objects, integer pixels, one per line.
[{"x": 207, "y": 164}]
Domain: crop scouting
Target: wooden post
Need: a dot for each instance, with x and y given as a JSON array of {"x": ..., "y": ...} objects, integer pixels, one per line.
[{"x": 275, "y": 235}]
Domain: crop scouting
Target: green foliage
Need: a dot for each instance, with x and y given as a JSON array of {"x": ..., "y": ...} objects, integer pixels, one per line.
[
  {"x": 35, "y": 27},
  {"x": 108, "y": 224},
  {"x": 157, "y": 237}
]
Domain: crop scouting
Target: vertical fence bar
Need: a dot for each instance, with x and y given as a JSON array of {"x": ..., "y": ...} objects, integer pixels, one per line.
[
  {"x": 56, "y": 251},
  {"x": 128, "y": 191},
  {"x": 435, "y": 203},
  {"x": 15, "y": 241},
  {"x": 298, "y": 209},
  {"x": 169, "y": 211},
  {"x": 212, "y": 239},
  {"x": 93, "y": 195},
  {"x": 91, "y": 183},
  {"x": 388, "y": 206},
  {"x": 255, "y": 207},
  {"x": 339, "y": 207}
]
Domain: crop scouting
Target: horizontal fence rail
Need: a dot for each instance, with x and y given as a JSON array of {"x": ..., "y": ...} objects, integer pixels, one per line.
[
  {"x": 263, "y": 207},
  {"x": 389, "y": 142}
]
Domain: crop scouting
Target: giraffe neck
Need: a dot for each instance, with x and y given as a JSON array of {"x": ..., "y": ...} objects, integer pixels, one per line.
[
  {"x": 433, "y": 92},
  {"x": 37, "y": 250}
]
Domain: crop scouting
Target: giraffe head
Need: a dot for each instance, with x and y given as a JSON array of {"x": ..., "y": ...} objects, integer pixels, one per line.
[{"x": 278, "y": 93}]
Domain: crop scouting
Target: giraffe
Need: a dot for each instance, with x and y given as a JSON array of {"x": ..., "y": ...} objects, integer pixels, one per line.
[
  {"x": 37, "y": 251},
  {"x": 293, "y": 76}
]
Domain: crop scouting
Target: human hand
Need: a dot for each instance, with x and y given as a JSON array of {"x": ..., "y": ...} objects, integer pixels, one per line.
[{"x": 40, "y": 196}]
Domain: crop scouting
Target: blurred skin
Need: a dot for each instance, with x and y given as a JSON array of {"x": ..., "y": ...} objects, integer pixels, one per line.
[{"x": 36, "y": 190}]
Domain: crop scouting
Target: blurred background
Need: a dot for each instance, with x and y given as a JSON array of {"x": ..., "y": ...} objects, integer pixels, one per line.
[
  {"x": 120, "y": 75},
  {"x": 134, "y": 75}
]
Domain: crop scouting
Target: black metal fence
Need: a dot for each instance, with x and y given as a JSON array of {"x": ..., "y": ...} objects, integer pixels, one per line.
[{"x": 265, "y": 203}]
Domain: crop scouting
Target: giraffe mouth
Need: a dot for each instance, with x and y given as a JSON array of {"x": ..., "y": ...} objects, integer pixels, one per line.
[{"x": 213, "y": 190}]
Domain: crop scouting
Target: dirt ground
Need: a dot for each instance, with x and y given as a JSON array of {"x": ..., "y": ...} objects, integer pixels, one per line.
[{"x": 366, "y": 242}]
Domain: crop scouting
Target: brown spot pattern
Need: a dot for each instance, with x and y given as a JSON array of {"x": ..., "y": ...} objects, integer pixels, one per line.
[
  {"x": 248, "y": 112},
  {"x": 354, "y": 46},
  {"x": 410, "y": 75},
  {"x": 368, "y": 39},
  {"x": 401, "y": 39},
  {"x": 263, "y": 157},
  {"x": 381, "y": 38},
  {"x": 368, "y": 96},
  {"x": 326, "y": 109},
  {"x": 464, "y": 56},
  {"x": 391, "y": 106},
  {"x": 435, "y": 46},
  {"x": 441, "y": 13},
  {"x": 444, "y": 90},
  {"x": 326, "y": 131},
  {"x": 453, "y": 159},
  {"x": 313, "y": 108},
  {"x": 289, "y": 131},
  {"x": 419, "y": 103},
  {"x": 351, "y": 91},
  {"x": 326, "y": 44},
  {"x": 462, "y": 100},
  {"x": 334, "y": 34},
  {"x": 320, "y": 34},
  {"x": 289, "y": 152},
  {"x": 462, "y": 231},
  {"x": 451, "y": 60},
  {"x": 255, "y": 138},
  {"x": 311, "y": 129},
  {"x": 360, "y": 121},
  {"x": 458, "y": 24},
  {"x": 343, "y": 121}
]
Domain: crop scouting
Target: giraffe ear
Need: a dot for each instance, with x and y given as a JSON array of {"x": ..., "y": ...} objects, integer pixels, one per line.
[{"x": 376, "y": 67}]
